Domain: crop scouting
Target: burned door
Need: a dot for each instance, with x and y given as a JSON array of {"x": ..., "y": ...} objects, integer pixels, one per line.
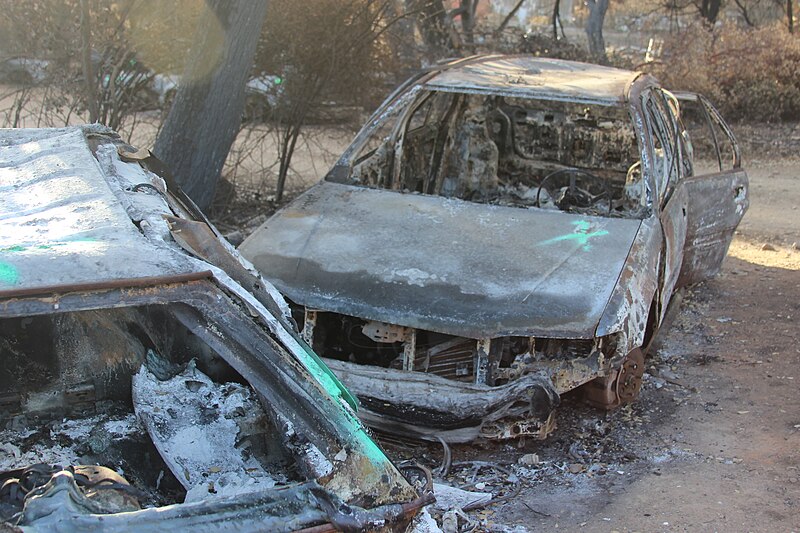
[
  {"x": 670, "y": 166},
  {"x": 718, "y": 196}
]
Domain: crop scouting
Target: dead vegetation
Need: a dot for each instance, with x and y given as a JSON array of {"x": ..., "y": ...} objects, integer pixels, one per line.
[{"x": 749, "y": 73}]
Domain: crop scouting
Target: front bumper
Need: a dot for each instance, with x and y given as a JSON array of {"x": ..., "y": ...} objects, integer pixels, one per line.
[{"x": 427, "y": 406}]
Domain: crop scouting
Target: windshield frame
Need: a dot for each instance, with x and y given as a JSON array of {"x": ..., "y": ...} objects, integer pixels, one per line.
[{"x": 399, "y": 108}]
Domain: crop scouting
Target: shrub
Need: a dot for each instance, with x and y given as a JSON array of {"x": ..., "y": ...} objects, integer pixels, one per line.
[{"x": 749, "y": 74}]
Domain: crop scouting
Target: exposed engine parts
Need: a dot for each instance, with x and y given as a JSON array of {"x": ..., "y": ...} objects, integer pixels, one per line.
[{"x": 374, "y": 359}]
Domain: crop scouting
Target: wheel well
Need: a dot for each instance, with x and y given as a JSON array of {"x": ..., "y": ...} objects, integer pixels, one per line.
[{"x": 651, "y": 328}]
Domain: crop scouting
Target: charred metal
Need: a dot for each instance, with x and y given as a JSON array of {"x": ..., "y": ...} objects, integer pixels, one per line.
[
  {"x": 503, "y": 229},
  {"x": 149, "y": 378}
]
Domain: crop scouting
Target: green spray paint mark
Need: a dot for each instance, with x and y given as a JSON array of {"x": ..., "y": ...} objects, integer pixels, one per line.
[
  {"x": 325, "y": 376},
  {"x": 21, "y": 248},
  {"x": 8, "y": 274},
  {"x": 360, "y": 438},
  {"x": 582, "y": 235},
  {"x": 15, "y": 248}
]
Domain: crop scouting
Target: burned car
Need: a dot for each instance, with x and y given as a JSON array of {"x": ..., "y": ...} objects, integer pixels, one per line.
[
  {"x": 503, "y": 230},
  {"x": 149, "y": 380}
]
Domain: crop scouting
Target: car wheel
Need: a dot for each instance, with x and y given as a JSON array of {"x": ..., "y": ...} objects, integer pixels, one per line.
[{"x": 621, "y": 386}]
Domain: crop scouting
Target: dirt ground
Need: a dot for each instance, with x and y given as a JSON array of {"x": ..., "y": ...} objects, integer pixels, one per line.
[{"x": 713, "y": 444}]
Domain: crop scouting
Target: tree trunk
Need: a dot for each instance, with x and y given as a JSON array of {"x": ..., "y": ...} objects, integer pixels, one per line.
[
  {"x": 467, "y": 9},
  {"x": 555, "y": 19},
  {"x": 207, "y": 112},
  {"x": 709, "y": 10},
  {"x": 594, "y": 29},
  {"x": 434, "y": 27},
  {"x": 745, "y": 13},
  {"x": 86, "y": 58},
  {"x": 511, "y": 15},
  {"x": 790, "y": 15}
]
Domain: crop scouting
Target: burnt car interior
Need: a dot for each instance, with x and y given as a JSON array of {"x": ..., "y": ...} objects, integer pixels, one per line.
[
  {"x": 575, "y": 157},
  {"x": 117, "y": 395}
]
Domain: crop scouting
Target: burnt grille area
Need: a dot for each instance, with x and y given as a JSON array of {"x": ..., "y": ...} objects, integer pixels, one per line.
[{"x": 453, "y": 359}]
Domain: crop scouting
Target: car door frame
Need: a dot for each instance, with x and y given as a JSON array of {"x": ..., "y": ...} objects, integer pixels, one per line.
[
  {"x": 670, "y": 202},
  {"x": 717, "y": 201}
]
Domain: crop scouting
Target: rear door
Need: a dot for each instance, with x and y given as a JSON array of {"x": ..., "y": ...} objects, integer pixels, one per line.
[{"x": 717, "y": 192}]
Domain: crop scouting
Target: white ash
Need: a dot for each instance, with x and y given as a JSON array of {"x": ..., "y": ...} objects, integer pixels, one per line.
[
  {"x": 64, "y": 443},
  {"x": 194, "y": 424}
]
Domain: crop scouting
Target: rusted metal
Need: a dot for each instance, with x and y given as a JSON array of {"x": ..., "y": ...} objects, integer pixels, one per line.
[
  {"x": 396, "y": 515},
  {"x": 199, "y": 238},
  {"x": 629, "y": 380},
  {"x": 516, "y": 427},
  {"x": 116, "y": 297},
  {"x": 713, "y": 118},
  {"x": 452, "y": 359},
  {"x": 309, "y": 323},
  {"x": 566, "y": 374},
  {"x": 387, "y": 333},
  {"x": 397, "y": 401},
  {"x": 482, "y": 350},
  {"x": 147, "y": 281},
  {"x": 410, "y": 349},
  {"x": 628, "y": 308},
  {"x": 620, "y": 386},
  {"x": 711, "y": 222}
]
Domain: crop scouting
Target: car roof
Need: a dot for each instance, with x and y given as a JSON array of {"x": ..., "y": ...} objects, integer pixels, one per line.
[
  {"x": 529, "y": 76},
  {"x": 73, "y": 219}
]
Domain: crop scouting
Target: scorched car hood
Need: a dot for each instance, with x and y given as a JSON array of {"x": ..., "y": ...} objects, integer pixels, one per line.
[{"x": 444, "y": 265}]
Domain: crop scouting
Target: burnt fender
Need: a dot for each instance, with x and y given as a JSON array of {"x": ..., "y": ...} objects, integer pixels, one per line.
[{"x": 628, "y": 308}]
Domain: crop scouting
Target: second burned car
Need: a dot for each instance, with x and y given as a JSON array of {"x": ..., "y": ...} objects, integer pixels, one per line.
[
  {"x": 149, "y": 381},
  {"x": 504, "y": 229}
]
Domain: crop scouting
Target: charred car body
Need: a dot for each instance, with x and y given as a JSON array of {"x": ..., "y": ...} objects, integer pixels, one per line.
[
  {"x": 502, "y": 230},
  {"x": 148, "y": 379}
]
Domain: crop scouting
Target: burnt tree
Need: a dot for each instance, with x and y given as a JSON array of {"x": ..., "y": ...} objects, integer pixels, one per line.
[
  {"x": 511, "y": 14},
  {"x": 207, "y": 112},
  {"x": 435, "y": 27},
  {"x": 467, "y": 10},
  {"x": 556, "y": 19},
  {"x": 594, "y": 29},
  {"x": 709, "y": 10}
]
